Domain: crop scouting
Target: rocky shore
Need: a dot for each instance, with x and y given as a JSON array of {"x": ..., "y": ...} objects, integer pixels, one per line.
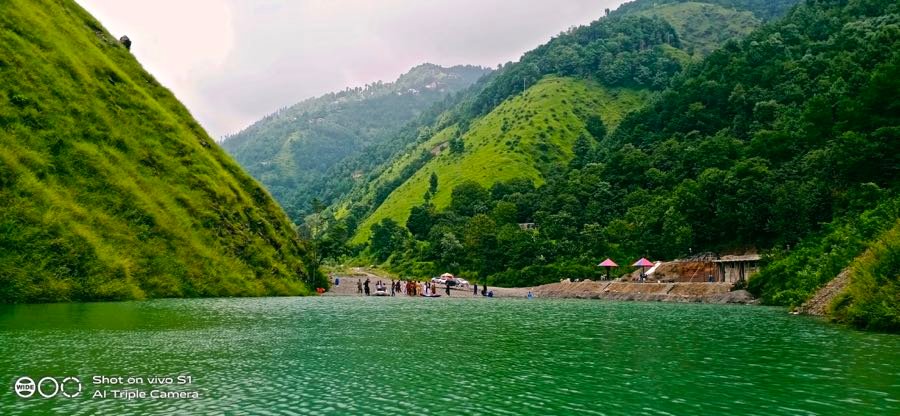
[
  {"x": 649, "y": 292},
  {"x": 720, "y": 293},
  {"x": 819, "y": 303}
]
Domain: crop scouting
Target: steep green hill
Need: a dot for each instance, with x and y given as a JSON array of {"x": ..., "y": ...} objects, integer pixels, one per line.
[
  {"x": 626, "y": 57},
  {"x": 609, "y": 65},
  {"x": 320, "y": 147},
  {"x": 109, "y": 189},
  {"x": 523, "y": 138},
  {"x": 786, "y": 142}
]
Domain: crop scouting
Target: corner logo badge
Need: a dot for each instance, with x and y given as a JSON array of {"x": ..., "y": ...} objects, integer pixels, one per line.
[
  {"x": 25, "y": 387},
  {"x": 47, "y": 387}
]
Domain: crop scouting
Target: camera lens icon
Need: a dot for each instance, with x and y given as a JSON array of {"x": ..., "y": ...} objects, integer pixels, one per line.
[
  {"x": 48, "y": 387},
  {"x": 25, "y": 387}
]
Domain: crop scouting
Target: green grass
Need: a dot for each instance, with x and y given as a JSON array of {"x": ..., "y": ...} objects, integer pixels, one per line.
[
  {"x": 791, "y": 278},
  {"x": 872, "y": 300},
  {"x": 394, "y": 170},
  {"x": 110, "y": 189},
  {"x": 521, "y": 138},
  {"x": 704, "y": 27}
]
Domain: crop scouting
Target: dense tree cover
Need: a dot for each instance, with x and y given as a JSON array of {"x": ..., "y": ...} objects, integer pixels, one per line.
[
  {"x": 758, "y": 146},
  {"x": 319, "y": 148},
  {"x": 479, "y": 234},
  {"x": 868, "y": 243},
  {"x": 871, "y": 302},
  {"x": 628, "y": 51},
  {"x": 629, "y": 48},
  {"x": 774, "y": 135},
  {"x": 108, "y": 187},
  {"x": 525, "y": 137},
  {"x": 763, "y": 9},
  {"x": 334, "y": 147},
  {"x": 630, "y": 54}
]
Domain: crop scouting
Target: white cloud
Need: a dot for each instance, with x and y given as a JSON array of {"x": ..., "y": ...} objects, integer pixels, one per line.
[{"x": 234, "y": 61}]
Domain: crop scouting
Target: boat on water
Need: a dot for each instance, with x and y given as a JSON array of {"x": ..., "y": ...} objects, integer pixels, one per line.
[
  {"x": 381, "y": 292},
  {"x": 430, "y": 296}
]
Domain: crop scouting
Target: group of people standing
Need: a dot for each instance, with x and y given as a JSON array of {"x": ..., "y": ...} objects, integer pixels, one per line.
[
  {"x": 362, "y": 287},
  {"x": 411, "y": 288}
]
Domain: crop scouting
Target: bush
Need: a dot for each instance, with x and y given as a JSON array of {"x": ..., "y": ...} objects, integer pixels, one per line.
[
  {"x": 872, "y": 300},
  {"x": 542, "y": 274},
  {"x": 791, "y": 278}
]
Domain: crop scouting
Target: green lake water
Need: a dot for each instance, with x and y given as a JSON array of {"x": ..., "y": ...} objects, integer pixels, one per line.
[{"x": 396, "y": 356}]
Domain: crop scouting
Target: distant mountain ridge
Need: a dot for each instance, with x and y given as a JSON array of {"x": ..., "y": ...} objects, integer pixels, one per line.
[{"x": 296, "y": 151}]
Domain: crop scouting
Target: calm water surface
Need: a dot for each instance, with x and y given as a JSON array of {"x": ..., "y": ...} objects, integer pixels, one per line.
[{"x": 397, "y": 356}]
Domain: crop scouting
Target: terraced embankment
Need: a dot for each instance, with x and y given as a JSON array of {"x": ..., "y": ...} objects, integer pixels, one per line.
[{"x": 651, "y": 292}]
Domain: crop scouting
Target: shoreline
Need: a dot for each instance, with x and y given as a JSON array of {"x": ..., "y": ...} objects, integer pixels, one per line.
[{"x": 714, "y": 293}]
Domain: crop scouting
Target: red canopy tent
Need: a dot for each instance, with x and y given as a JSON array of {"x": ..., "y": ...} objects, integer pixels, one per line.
[
  {"x": 642, "y": 263},
  {"x": 608, "y": 263}
]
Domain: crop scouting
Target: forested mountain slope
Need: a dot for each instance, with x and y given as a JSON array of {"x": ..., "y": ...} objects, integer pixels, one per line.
[
  {"x": 785, "y": 142},
  {"x": 108, "y": 187},
  {"x": 318, "y": 148},
  {"x": 526, "y": 137},
  {"x": 768, "y": 139},
  {"x": 762, "y": 9},
  {"x": 622, "y": 59}
]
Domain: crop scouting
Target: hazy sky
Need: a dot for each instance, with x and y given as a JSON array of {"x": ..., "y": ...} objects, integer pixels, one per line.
[{"x": 233, "y": 61}]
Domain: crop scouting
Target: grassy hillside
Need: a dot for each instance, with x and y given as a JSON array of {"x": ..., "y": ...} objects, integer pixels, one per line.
[
  {"x": 356, "y": 171},
  {"x": 872, "y": 301},
  {"x": 791, "y": 277},
  {"x": 704, "y": 27},
  {"x": 320, "y": 147},
  {"x": 624, "y": 55},
  {"x": 109, "y": 189},
  {"x": 524, "y": 137}
]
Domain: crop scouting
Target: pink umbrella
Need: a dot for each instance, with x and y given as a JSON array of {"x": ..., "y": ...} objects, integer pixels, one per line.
[
  {"x": 608, "y": 263},
  {"x": 643, "y": 262}
]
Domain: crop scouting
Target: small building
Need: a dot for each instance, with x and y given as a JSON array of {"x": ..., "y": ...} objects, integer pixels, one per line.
[
  {"x": 525, "y": 226},
  {"x": 736, "y": 268}
]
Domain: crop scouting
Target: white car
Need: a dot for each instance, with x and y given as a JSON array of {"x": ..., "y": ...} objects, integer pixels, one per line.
[{"x": 462, "y": 282}]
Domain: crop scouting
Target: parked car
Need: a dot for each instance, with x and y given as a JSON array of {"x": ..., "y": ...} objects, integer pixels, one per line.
[
  {"x": 451, "y": 281},
  {"x": 462, "y": 282}
]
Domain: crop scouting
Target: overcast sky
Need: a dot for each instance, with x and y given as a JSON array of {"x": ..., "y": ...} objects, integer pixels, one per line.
[{"x": 233, "y": 61}]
